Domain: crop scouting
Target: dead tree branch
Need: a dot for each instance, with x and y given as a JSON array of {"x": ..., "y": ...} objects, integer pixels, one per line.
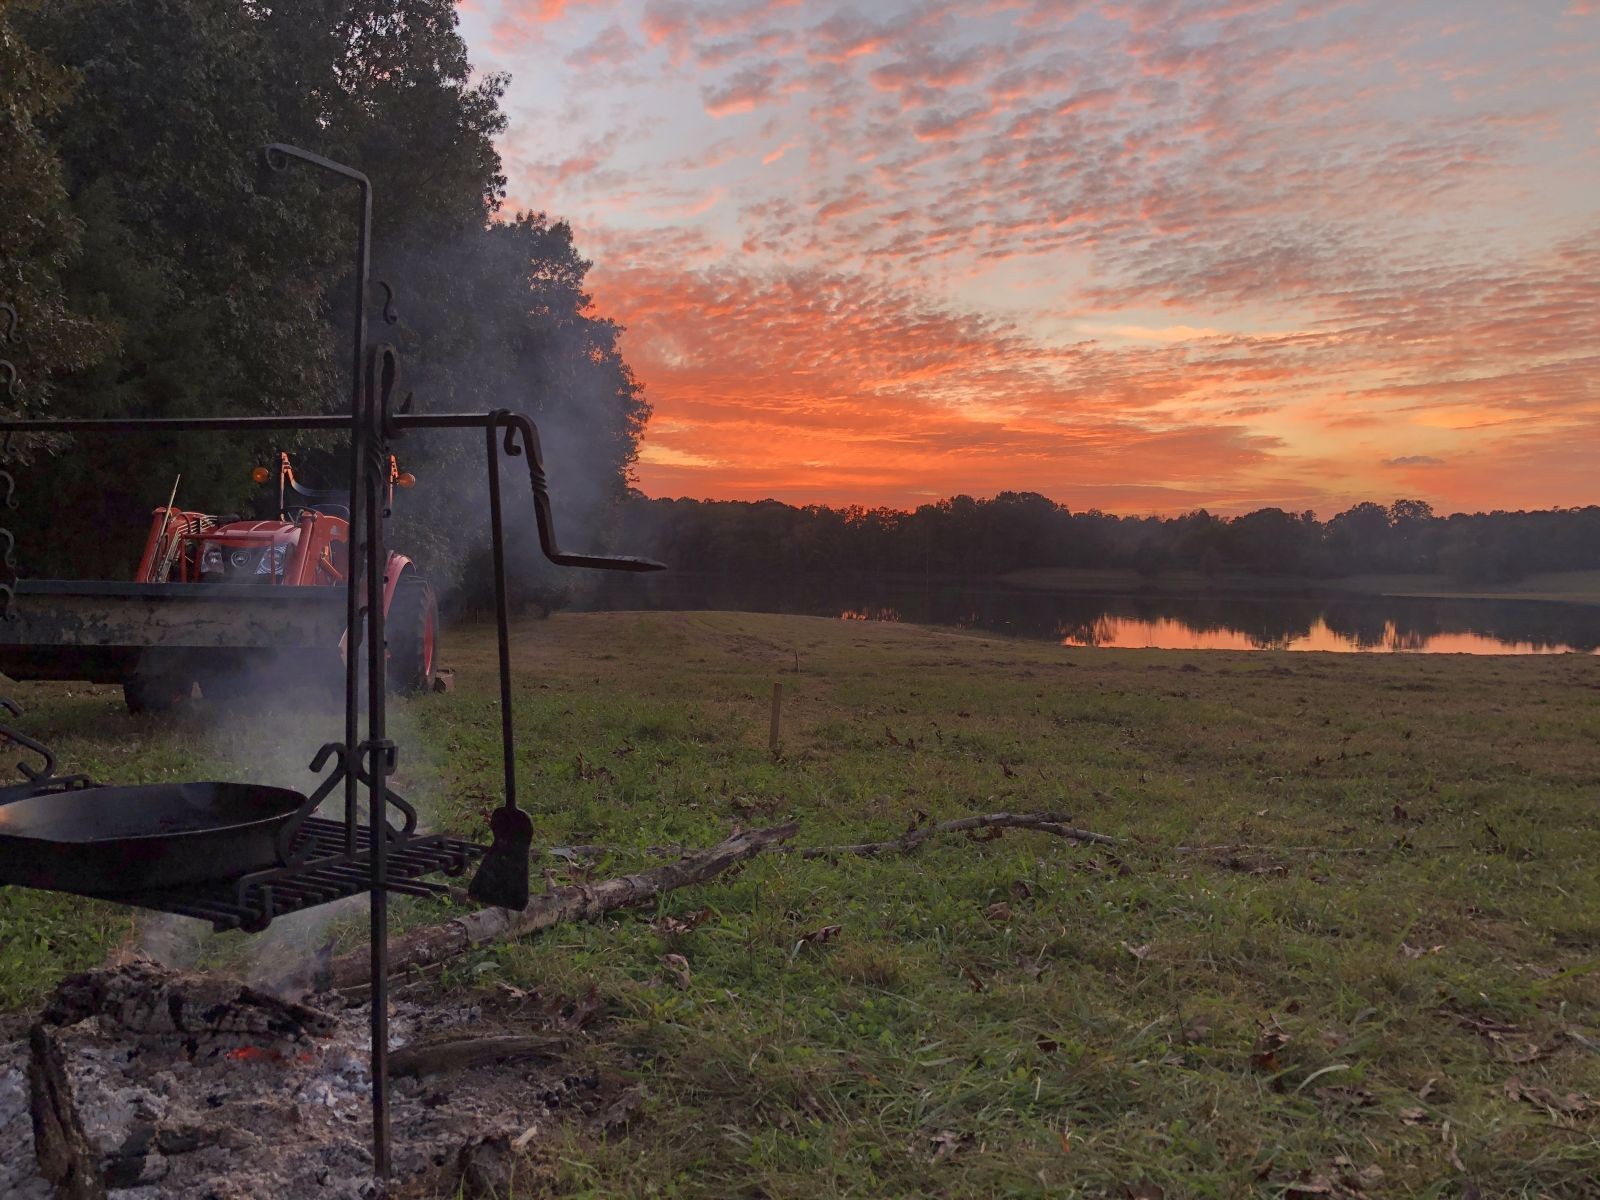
[
  {"x": 582, "y": 902},
  {"x": 912, "y": 839}
]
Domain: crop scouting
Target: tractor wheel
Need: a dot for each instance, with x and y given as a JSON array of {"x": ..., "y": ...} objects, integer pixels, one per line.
[
  {"x": 156, "y": 693},
  {"x": 224, "y": 686},
  {"x": 412, "y": 631}
]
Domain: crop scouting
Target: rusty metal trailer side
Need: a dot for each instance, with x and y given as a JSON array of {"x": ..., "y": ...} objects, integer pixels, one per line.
[{"x": 99, "y": 631}]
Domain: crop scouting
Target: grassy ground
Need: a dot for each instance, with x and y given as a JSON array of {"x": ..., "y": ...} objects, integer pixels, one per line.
[
  {"x": 1018, "y": 1016},
  {"x": 1574, "y": 587}
]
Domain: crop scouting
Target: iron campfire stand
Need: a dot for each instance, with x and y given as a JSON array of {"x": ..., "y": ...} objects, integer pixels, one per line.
[{"x": 320, "y": 860}]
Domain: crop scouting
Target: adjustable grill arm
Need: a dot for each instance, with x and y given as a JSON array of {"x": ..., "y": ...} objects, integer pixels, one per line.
[{"x": 522, "y": 437}]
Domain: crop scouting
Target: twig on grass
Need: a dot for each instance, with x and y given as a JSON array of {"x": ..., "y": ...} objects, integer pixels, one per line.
[{"x": 911, "y": 839}]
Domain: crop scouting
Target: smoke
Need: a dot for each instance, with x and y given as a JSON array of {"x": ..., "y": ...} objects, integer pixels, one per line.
[
  {"x": 495, "y": 319},
  {"x": 267, "y": 731},
  {"x": 491, "y": 319}
]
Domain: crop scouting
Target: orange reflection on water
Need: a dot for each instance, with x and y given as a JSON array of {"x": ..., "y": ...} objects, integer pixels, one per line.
[
  {"x": 1168, "y": 634},
  {"x": 869, "y": 614}
]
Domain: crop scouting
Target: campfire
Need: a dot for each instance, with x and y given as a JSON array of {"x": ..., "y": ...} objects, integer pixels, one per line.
[{"x": 142, "y": 1081}]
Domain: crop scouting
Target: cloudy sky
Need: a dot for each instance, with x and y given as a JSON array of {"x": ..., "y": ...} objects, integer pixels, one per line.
[{"x": 1145, "y": 255}]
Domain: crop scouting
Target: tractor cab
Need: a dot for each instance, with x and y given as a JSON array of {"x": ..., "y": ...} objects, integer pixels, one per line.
[
  {"x": 305, "y": 545},
  {"x": 248, "y": 552}
]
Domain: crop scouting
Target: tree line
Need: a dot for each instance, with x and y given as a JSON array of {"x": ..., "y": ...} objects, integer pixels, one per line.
[
  {"x": 160, "y": 269},
  {"x": 967, "y": 538}
]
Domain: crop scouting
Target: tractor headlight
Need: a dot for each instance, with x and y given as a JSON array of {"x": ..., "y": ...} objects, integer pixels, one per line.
[{"x": 211, "y": 559}]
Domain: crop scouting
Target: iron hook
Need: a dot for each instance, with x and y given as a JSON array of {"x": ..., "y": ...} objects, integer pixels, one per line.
[
  {"x": 27, "y": 743},
  {"x": 390, "y": 316},
  {"x": 11, "y": 322}
]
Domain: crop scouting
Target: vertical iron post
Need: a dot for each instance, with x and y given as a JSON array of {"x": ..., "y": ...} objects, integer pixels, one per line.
[
  {"x": 501, "y": 619},
  {"x": 377, "y": 749},
  {"x": 364, "y": 544}
]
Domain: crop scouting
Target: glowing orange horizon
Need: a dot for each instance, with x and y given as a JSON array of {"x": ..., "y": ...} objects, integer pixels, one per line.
[{"x": 1139, "y": 256}]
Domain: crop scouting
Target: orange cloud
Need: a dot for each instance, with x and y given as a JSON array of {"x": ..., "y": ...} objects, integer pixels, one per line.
[{"x": 963, "y": 245}]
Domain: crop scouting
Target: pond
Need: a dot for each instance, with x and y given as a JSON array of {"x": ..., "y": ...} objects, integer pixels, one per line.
[{"x": 1336, "y": 622}]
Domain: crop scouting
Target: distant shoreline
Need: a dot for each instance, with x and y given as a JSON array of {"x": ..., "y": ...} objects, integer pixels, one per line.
[{"x": 1567, "y": 587}]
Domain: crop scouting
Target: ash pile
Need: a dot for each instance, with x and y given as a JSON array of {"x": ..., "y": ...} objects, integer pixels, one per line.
[{"x": 139, "y": 1082}]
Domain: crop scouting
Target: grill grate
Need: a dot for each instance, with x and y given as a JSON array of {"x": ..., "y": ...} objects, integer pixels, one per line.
[{"x": 252, "y": 901}]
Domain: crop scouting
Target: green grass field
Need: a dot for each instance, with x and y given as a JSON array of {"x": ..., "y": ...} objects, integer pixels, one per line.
[{"x": 1388, "y": 987}]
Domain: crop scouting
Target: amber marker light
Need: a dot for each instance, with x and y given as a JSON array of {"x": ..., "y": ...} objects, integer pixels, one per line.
[
  {"x": 405, "y": 479},
  {"x": 261, "y": 474}
]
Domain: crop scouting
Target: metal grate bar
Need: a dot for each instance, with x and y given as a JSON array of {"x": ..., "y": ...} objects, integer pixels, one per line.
[{"x": 251, "y": 901}]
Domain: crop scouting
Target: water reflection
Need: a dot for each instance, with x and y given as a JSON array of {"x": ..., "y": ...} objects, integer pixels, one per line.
[{"x": 1379, "y": 624}]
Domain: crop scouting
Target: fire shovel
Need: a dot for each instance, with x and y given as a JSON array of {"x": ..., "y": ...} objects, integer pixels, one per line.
[{"x": 502, "y": 878}]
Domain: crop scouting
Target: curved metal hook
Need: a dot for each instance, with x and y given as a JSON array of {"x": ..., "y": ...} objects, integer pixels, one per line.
[
  {"x": 394, "y": 800},
  {"x": 288, "y": 855},
  {"x": 9, "y": 499},
  {"x": 516, "y": 424},
  {"x": 390, "y": 317},
  {"x": 11, "y": 322},
  {"x": 27, "y": 743},
  {"x": 11, "y": 377},
  {"x": 275, "y": 158}
]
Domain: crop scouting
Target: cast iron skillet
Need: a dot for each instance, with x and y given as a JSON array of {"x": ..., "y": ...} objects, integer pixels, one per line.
[{"x": 104, "y": 840}]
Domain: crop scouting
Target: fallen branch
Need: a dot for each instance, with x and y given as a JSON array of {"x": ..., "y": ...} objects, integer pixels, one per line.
[
  {"x": 583, "y": 902},
  {"x": 1261, "y": 848},
  {"x": 911, "y": 839},
  {"x": 460, "y": 1054}
]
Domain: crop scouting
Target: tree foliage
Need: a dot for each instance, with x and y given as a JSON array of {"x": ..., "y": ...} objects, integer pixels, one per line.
[
  {"x": 228, "y": 288},
  {"x": 40, "y": 236},
  {"x": 966, "y": 538}
]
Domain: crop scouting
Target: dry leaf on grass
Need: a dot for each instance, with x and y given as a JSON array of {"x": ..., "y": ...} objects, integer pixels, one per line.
[
  {"x": 1418, "y": 951},
  {"x": 671, "y": 926},
  {"x": 1264, "y": 1057},
  {"x": 1197, "y": 1030},
  {"x": 1357, "y": 1179},
  {"x": 1139, "y": 952},
  {"x": 999, "y": 912},
  {"x": 1308, "y": 1185},
  {"x": 1344, "y": 1096},
  {"x": 1522, "y": 1055},
  {"x": 677, "y": 969},
  {"x": 946, "y": 1142},
  {"x": 817, "y": 936},
  {"x": 1572, "y": 1104}
]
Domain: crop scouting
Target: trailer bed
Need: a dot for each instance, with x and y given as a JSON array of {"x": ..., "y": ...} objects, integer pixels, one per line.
[{"x": 97, "y": 630}]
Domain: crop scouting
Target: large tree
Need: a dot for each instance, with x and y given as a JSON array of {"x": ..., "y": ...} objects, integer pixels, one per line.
[
  {"x": 231, "y": 285},
  {"x": 39, "y": 235}
]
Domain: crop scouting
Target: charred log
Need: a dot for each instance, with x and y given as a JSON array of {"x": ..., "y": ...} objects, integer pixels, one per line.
[
  {"x": 147, "y": 999},
  {"x": 64, "y": 1154}
]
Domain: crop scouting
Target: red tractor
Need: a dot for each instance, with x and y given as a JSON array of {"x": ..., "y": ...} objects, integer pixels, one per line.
[{"x": 224, "y": 603}]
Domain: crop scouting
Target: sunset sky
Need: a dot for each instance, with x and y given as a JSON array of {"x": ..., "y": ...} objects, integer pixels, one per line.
[{"x": 1146, "y": 256}]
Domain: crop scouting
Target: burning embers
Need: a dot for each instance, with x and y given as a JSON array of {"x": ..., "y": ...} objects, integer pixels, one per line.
[{"x": 139, "y": 1082}]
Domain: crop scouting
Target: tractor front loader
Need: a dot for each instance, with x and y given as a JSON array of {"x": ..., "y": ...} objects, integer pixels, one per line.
[{"x": 223, "y": 603}]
